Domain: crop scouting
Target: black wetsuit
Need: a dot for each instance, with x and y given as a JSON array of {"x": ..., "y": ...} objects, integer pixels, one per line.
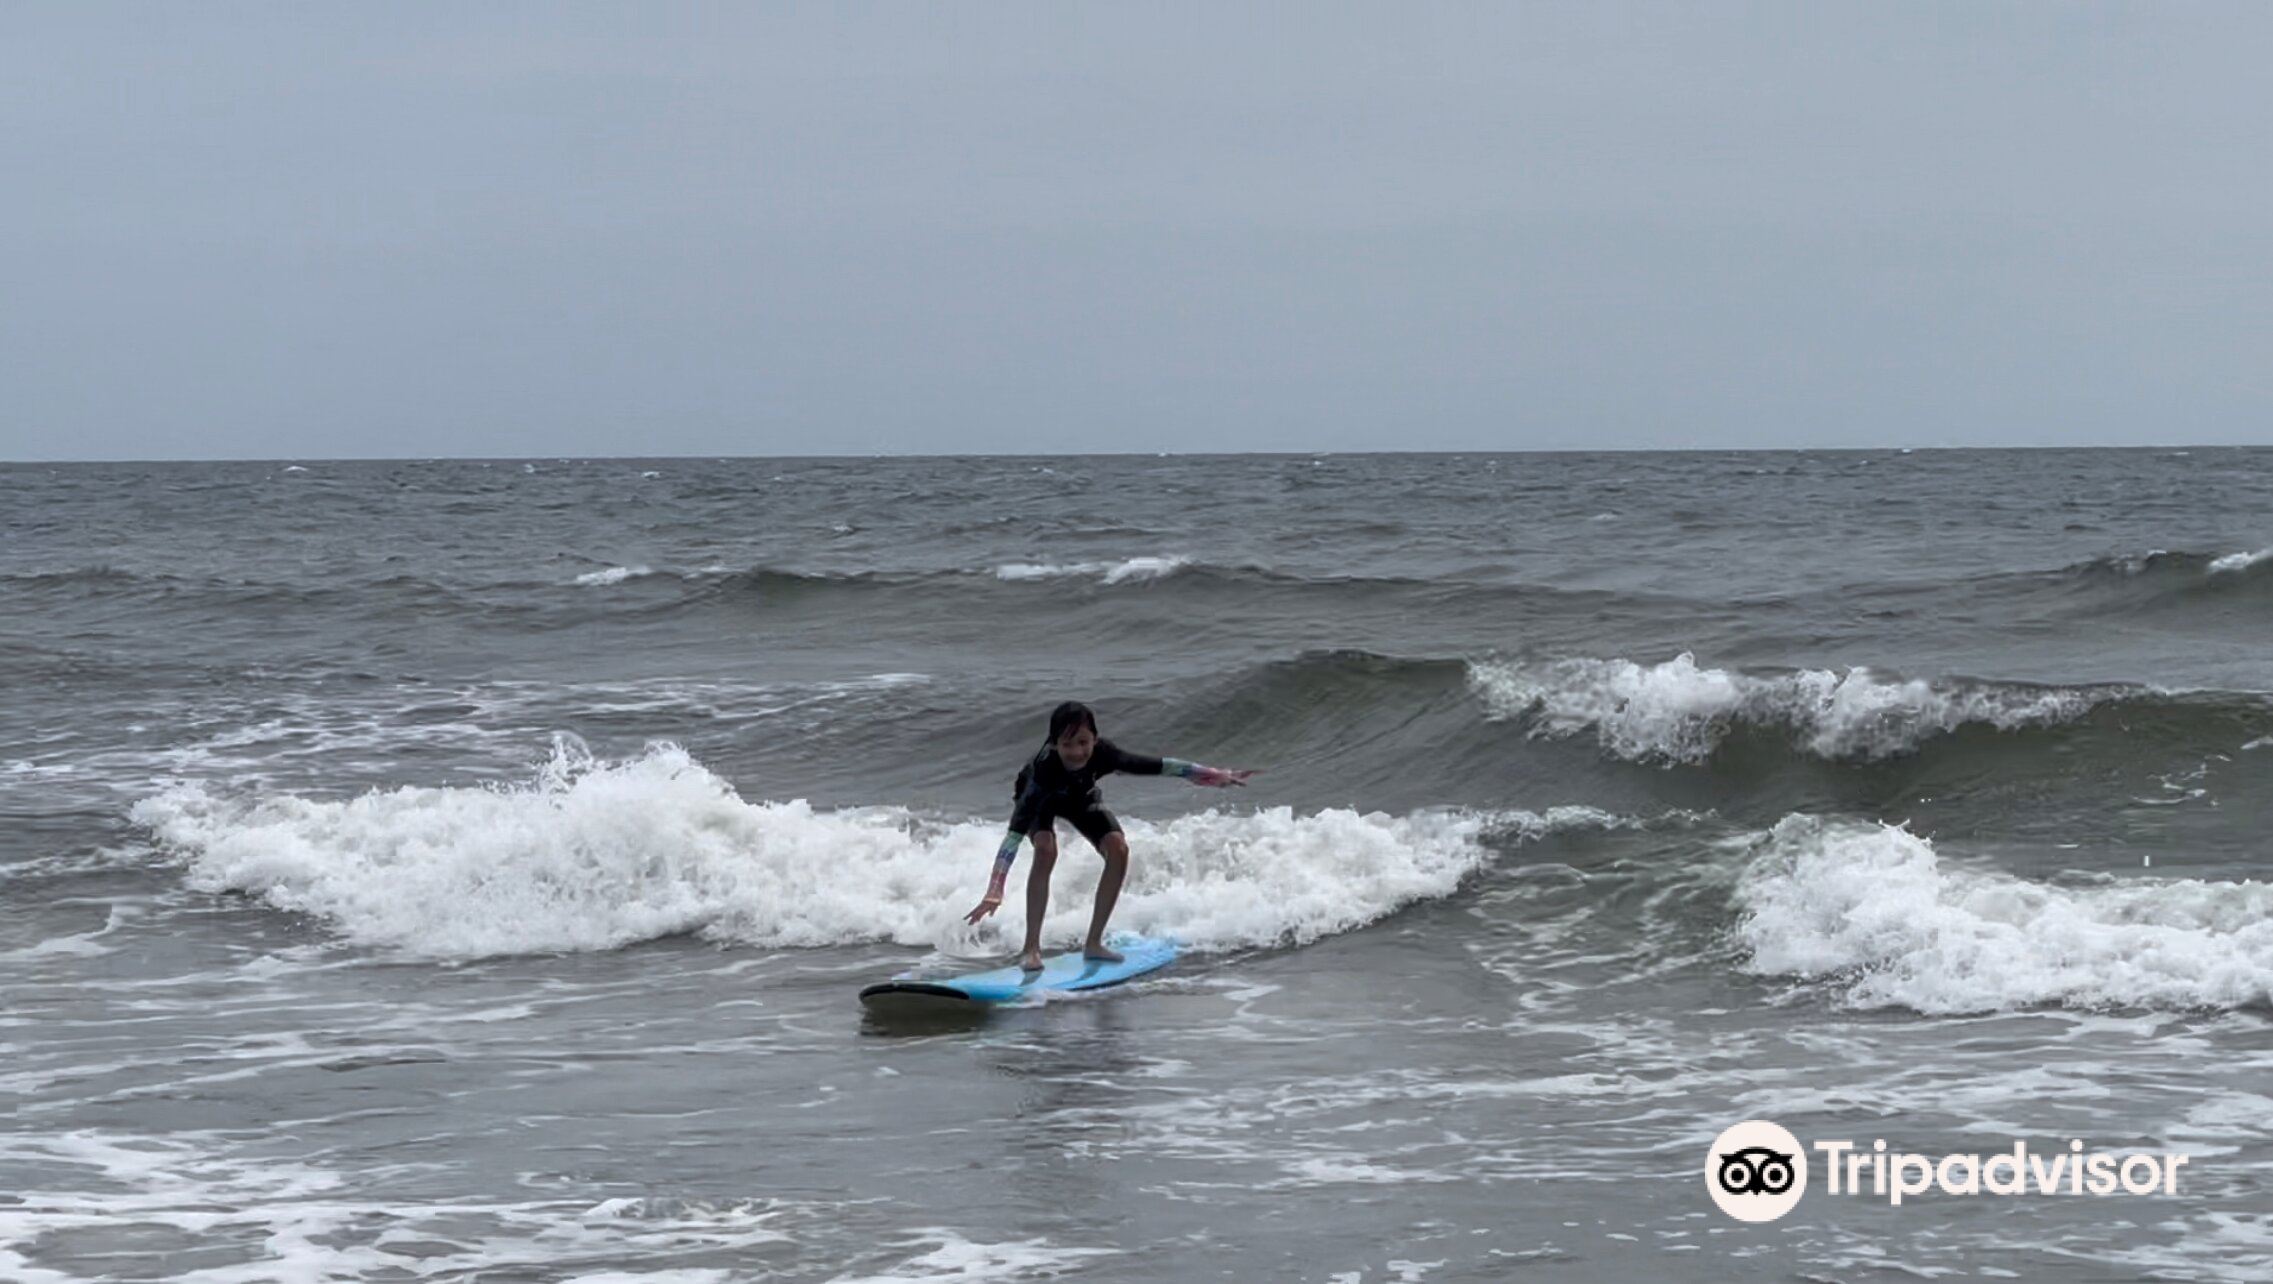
[{"x": 1048, "y": 790}]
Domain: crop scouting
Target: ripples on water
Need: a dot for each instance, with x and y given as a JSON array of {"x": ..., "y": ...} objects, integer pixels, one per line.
[{"x": 446, "y": 870}]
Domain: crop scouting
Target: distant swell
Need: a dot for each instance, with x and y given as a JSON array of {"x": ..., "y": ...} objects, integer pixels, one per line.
[
  {"x": 1678, "y": 712},
  {"x": 2179, "y": 566},
  {"x": 1416, "y": 716},
  {"x": 2162, "y": 581}
]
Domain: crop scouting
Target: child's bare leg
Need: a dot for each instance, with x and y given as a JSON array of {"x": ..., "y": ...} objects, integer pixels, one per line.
[
  {"x": 1038, "y": 896},
  {"x": 1115, "y": 850}
]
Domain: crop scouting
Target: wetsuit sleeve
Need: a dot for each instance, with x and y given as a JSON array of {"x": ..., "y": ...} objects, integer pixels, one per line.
[
  {"x": 1025, "y": 801},
  {"x": 1146, "y": 764},
  {"x": 1022, "y": 816},
  {"x": 1136, "y": 764}
]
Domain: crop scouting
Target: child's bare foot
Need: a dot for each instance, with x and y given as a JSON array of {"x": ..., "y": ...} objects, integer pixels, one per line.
[
  {"x": 1096, "y": 950},
  {"x": 1030, "y": 961}
]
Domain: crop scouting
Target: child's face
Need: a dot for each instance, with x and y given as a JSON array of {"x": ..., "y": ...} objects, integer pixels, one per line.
[{"x": 1074, "y": 746}]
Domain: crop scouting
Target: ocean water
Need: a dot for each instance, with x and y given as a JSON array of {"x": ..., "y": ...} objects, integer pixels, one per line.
[{"x": 465, "y": 870}]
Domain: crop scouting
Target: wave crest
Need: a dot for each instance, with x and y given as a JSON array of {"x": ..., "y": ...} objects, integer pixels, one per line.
[
  {"x": 1124, "y": 571},
  {"x": 1677, "y": 712}
]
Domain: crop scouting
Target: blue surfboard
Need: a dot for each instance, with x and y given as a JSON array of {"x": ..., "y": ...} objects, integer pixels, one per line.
[{"x": 1062, "y": 972}]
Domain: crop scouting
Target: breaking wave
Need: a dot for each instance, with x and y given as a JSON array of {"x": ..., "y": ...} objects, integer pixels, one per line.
[
  {"x": 595, "y": 855},
  {"x": 1678, "y": 712},
  {"x": 1874, "y": 911}
]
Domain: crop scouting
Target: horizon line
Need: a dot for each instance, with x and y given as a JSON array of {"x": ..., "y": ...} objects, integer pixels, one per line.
[{"x": 1134, "y": 454}]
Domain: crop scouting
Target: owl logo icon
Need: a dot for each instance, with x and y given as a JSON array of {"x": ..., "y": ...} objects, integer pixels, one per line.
[{"x": 1756, "y": 1171}]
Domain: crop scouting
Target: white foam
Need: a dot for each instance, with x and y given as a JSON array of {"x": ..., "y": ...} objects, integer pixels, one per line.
[
  {"x": 293, "y": 1221},
  {"x": 2233, "y": 562},
  {"x": 1045, "y": 570},
  {"x": 1143, "y": 568},
  {"x": 26, "y": 767},
  {"x": 594, "y": 855},
  {"x": 1134, "y": 568},
  {"x": 612, "y": 575},
  {"x": 1679, "y": 712},
  {"x": 950, "y": 1257},
  {"x": 1874, "y": 907},
  {"x": 79, "y": 944},
  {"x": 1343, "y": 1170}
]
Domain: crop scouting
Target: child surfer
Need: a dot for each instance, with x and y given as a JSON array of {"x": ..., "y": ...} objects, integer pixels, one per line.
[{"x": 1060, "y": 783}]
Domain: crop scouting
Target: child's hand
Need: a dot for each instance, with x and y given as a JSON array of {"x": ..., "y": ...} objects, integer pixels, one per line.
[
  {"x": 1221, "y": 778},
  {"x": 985, "y": 907}
]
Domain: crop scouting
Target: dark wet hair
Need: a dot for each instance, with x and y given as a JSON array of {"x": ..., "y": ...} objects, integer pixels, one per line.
[{"x": 1073, "y": 713}]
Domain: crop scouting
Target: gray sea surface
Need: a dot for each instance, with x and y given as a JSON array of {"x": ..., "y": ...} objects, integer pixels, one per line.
[{"x": 465, "y": 870}]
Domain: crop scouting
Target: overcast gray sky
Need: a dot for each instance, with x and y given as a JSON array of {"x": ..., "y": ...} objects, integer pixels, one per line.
[{"x": 303, "y": 230}]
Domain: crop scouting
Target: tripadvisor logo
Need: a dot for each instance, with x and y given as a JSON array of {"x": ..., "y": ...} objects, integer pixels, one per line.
[{"x": 1756, "y": 1171}]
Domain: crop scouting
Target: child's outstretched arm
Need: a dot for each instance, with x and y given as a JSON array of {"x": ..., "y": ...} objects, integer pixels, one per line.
[
  {"x": 1144, "y": 764},
  {"x": 1198, "y": 774},
  {"x": 1006, "y": 856}
]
